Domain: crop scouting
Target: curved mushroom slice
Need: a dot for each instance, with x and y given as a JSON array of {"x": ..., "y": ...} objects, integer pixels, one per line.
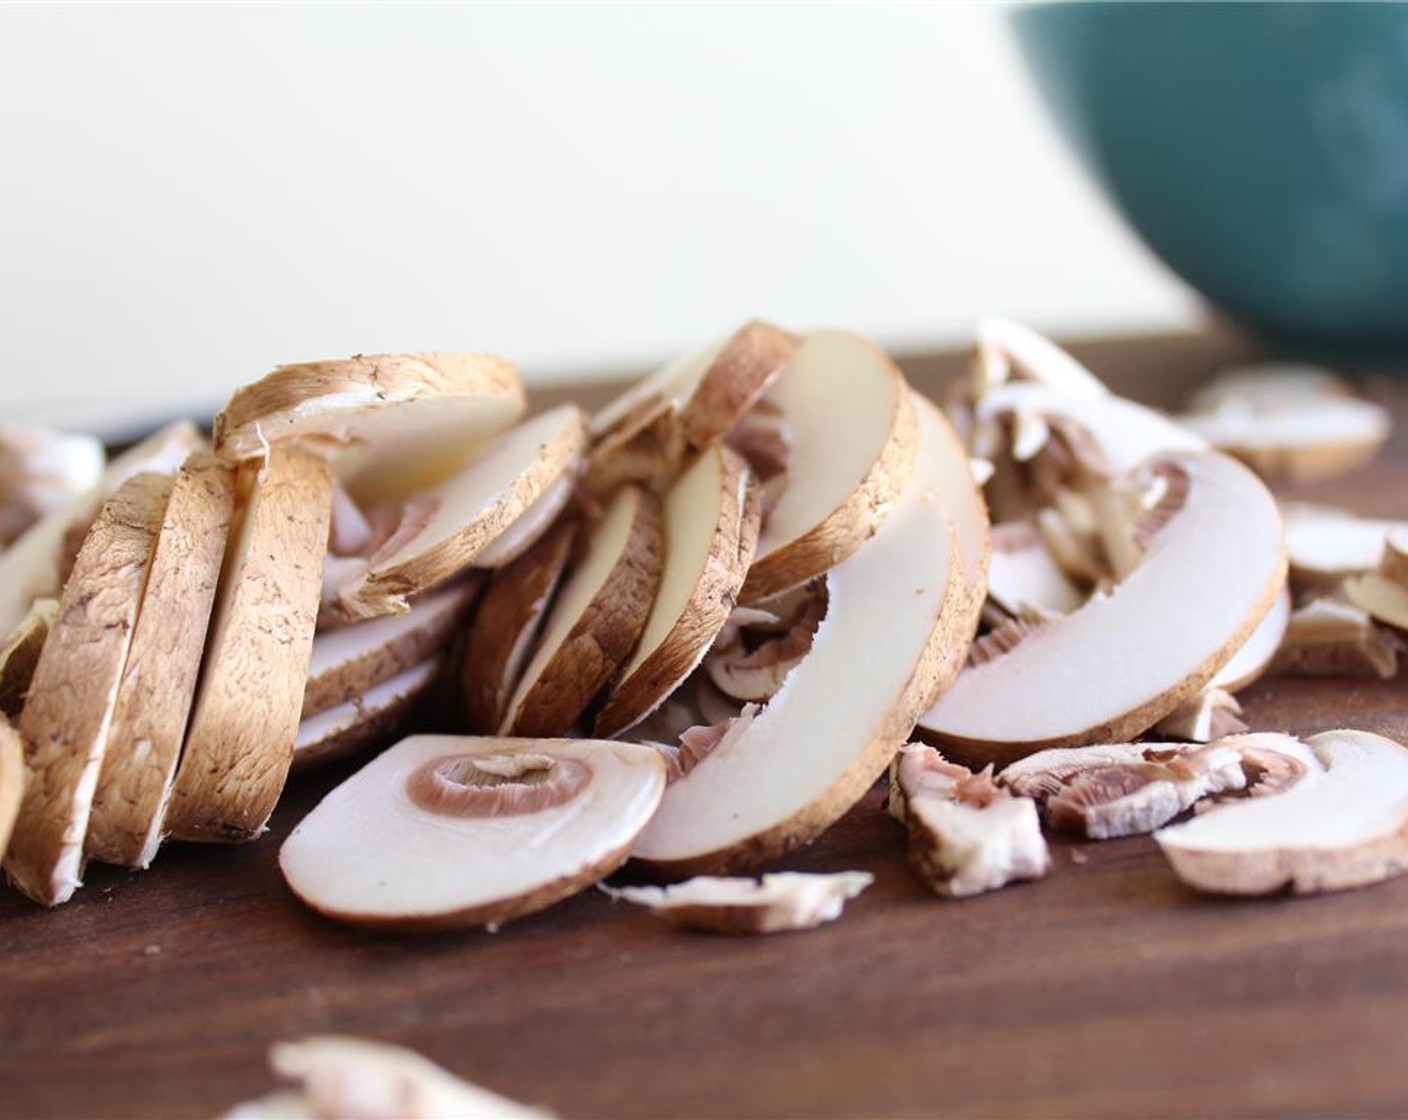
[
  {"x": 237, "y": 752},
  {"x": 1327, "y": 545},
  {"x": 1203, "y": 717},
  {"x": 36, "y": 565},
  {"x": 158, "y": 682},
  {"x": 532, "y": 526},
  {"x": 1383, "y": 599},
  {"x": 649, "y": 431},
  {"x": 1024, "y": 578},
  {"x": 337, "y": 732},
  {"x": 390, "y": 423},
  {"x": 787, "y": 900},
  {"x": 711, "y": 528},
  {"x": 1123, "y": 789},
  {"x": 1330, "y": 639},
  {"x": 1126, "y": 659},
  {"x": 745, "y": 669},
  {"x": 11, "y": 781},
  {"x": 1339, "y": 820},
  {"x": 1007, "y": 349},
  {"x": 444, "y": 529},
  {"x": 65, "y": 720},
  {"x": 19, "y": 654},
  {"x": 351, "y": 659},
  {"x": 352, "y": 1079},
  {"x": 966, "y": 835},
  {"x": 42, "y": 470},
  {"x": 1257, "y": 653},
  {"x": 854, "y": 439},
  {"x": 597, "y": 618},
  {"x": 1289, "y": 421},
  {"x": 449, "y": 831},
  {"x": 504, "y": 627}
]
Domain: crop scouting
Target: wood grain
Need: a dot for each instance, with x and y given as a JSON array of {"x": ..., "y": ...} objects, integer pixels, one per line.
[{"x": 1106, "y": 990}]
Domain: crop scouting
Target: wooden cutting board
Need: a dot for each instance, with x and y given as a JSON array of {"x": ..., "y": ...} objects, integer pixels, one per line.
[{"x": 1107, "y": 989}]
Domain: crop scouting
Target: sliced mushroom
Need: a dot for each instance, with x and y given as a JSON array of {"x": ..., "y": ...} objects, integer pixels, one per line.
[
  {"x": 237, "y": 751},
  {"x": 1289, "y": 421},
  {"x": 1022, "y": 575},
  {"x": 1383, "y": 599},
  {"x": 966, "y": 834},
  {"x": 1257, "y": 653},
  {"x": 12, "y": 779},
  {"x": 1339, "y": 819},
  {"x": 711, "y": 529},
  {"x": 648, "y": 433},
  {"x": 442, "y": 831},
  {"x": 754, "y": 670},
  {"x": 65, "y": 720},
  {"x": 596, "y": 620},
  {"x": 1123, "y": 789},
  {"x": 1203, "y": 717},
  {"x": 392, "y": 424},
  {"x": 42, "y": 471},
  {"x": 19, "y": 654},
  {"x": 353, "y": 1079},
  {"x": 1327, "y": 545},
  {"x": 158, "y": 682},
  {"x": 854, "y": 438},
  {"x": 443, "y": 529},
  {"x": 777, "y": 903},
  {"x": 506, "y": 624},
  {"x": 1007, "y": 349},
  {"x": 1329, "y": 639},
  {"x": 372, "y": 715},
  {"x": 1155, "y": 639},
  {"x": 532, "y": 525}
]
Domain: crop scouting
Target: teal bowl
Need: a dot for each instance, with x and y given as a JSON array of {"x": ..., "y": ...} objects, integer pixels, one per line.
[{"x": 1260, "y": 149}]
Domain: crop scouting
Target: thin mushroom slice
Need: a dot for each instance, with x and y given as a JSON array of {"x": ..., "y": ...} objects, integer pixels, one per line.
[
  {"x": 1023, "y": 575},
  {"x": 1203, "y": 717},
  {"x": 1123, "y": 789},
  {"x": 65, "y": 720},
  {"x": 1339, "y": 819},
  {"x": 371, "y": 716},
  {"x": 854, "y": 440},
  {"x": 449, "y": 831},
  {"x": 390, "y": 423},
  {"x": 158, "y": 682},
  {"x": 777, "y": 903},
  {"x": 19, "y": 654},
  {"x": 596, "y": 619},
  {"x": 1258, "y": 652},
  {"x": 1329, "y": 639},
  {"x": 443, "y": 529},
  {"x": 239, "y": 741},
  {"x": 341, "y": 1078},
  {"x": 12, "y": 779},
  {"x": 753, "y": 670},
  {"x": 1156, "y": 638},
  {"x": 967, "y": 835},
  {"x": 42, "y": 470},
  {"x": 346, "y": 662},
  {"x": 1383, "y": 599},
  {"x": 1009, "y": 350},
  {"x": 711, "y": 518},
  {"x": 1327, "y": 545},
  {"x": 534, "y": 524}
]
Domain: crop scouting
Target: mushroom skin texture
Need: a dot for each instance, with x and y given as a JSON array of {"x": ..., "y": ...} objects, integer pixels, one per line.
[
  {"x": 777, "y": 903},
  {"x": 1340, "y": 820},
  {"x": 362, "y": 721},
  {"x": 444, "y": 831},
  {"x": 19, "y": 654}
]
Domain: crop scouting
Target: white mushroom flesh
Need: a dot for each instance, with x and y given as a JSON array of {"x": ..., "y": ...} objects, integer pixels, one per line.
[{"x": 776, "y": 903}]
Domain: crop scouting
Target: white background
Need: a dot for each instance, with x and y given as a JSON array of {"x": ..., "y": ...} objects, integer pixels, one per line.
[{"x": 189, "y": 195}]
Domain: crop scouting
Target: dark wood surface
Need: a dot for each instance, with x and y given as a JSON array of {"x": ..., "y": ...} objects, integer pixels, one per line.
[{"x": 1107, "y": 989}]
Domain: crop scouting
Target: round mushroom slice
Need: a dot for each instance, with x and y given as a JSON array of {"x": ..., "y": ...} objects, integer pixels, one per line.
[
  {"x": 391, "y": 423},
  {"x": 65, "y": 720},
  {"x": 239, "y": 742},
  {"x": 337, "y": 732},
  {"x": 853, "y": 443},
  {"x": 711, "y": 528},
  {"x": 1339, "y": 820},
  {"x": 159, "y": 680},
  {"x": 448, "y": 831},
  {"x": 11, "y": 781},
  {"x": 597, "y": 618},
  {"x": 943, "y": 462},
  {"x": 1258, "y": 651},
  {"x": 1125, "y": 659},
  {"x": 443, "y": 529},
  {"x": 1327, "y": 545}
]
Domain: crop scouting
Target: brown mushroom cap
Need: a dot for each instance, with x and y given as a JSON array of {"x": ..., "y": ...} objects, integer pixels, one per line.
[{"x": 369, "y": 718}]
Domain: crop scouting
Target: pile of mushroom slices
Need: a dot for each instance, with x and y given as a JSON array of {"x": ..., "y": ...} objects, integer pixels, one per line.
[{"x": 692, "y": 630}]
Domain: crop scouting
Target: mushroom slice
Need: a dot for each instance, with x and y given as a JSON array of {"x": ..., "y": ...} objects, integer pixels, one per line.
[
  {"x": 711, "y": 528},
  {"x": 347, "y": 661},
  {"x": 649, "y": 431},
  {"x": 854, "y": 439},
  {"x": 1007, "y": 349},
  {"x": 336, "y": 732},
  {"x": 1123, "y": 789},
  {"x": 596, "y": 620},
  {"x": 532, "y": 526},
  {"x": 966, "y": 834},
  {"x": 1203, "y": 717},
  {"x": 1259, "y": 651},
  {"x": 391, "y": 423},
  {"x": 1155, "y": 639},
  {"x": 19, "y": 654},
  {"x": 1339, "y": 820},
  {"x": 504, "y": 627},
  {"x": 237, "y": 751},
  {"x": 1383, "y": 599},
  {"x": 755, "y": 670},
  {"x": 65, "y": 720},
  {"x": 1326, "y": 545},
  {"x": 1022, "y": 574},
  {"x": 449, "y": 831},
  {"x": 1289, "y": 421},
  {"x": 35, "y": 565},
  {"x": 443, "y": 529},
  {"x": 159, "y": 679},
  {"x": 1326, "y": 638},
  {"x": 787, "y": 900},
  {"x": 11, "y": 781},
  {"x": 352, "y": 1079},
  {"x": 41, "y": 471}
]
